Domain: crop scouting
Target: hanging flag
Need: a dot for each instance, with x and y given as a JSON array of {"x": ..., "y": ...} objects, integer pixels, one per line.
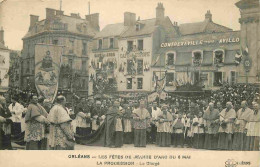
[
  {"x": 157, "y": 59},
  {"x": 238, "y": 57},
  {"x": 245, "y": 52},
  {"x": 47, "y": 70}
]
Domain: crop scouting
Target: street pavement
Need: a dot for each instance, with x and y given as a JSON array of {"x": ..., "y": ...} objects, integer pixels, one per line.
[
  {"x": 131, "y": 146},
  {"x": 124, "y": 147}
]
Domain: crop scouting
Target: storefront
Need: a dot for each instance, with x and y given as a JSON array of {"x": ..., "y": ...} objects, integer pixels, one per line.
[{"x": 205, "y": 60}]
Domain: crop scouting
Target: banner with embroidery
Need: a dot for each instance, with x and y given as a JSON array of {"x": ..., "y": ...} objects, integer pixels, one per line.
[{"x": 47, "y": 69}]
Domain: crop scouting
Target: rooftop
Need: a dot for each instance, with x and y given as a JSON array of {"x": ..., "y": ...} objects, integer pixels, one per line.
[
  {"x": 56, "y": 21},
  {"x": 206, "y": 26},
  {"x": 112, "y": 30}
]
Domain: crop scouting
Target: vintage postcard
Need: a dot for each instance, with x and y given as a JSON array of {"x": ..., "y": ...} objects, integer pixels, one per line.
[{"x": 130, "y": 83}]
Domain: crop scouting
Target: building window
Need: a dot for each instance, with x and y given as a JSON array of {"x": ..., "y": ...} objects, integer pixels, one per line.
[
  {"x": 217, "y": 79},
  {"x": 140, "y": 44},
  {"x": 218, "y": 56},
  {"x": 196, "y": 77},
  {"x": 71, "y": 46},
  {"x": 55, "y": 42},
  {"x": 84, "y": 65},
  {"x": 130, "y": 67},
  {"x": 83, "y": 83},
  {"x": 100, "y": 42},
  {"x": 197, "y": 58},
  {"x": 170, "y": 59},
  {"x": 139, "y": 83},
  {"x": 28, "y": 67},
  {"x": 137, "y": 27},
  {"x": 169, "y": 78},
  {"x": 140, "y": 67},
  {"x": 84, "y": 50},
  {"x": 70, "y": 63},
  {"x": 233, "y": 77},
  {"x": 111, "y": 43},
  {"x": 129, "y": 83},
  {"x": 129, "y": 46}
]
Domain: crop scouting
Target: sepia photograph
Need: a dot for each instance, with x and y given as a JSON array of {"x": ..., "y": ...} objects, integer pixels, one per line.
[{"x": 130, "y": 83}]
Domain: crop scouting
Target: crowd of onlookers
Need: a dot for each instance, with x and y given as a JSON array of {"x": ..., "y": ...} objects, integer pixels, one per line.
[{"x": 228, "y": 120}]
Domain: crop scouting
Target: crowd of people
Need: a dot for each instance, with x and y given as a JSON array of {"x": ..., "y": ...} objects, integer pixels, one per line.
[{"x": 228, "y": 120}]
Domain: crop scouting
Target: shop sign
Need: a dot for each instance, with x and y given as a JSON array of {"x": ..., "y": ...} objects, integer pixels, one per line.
[
  {"x": 199, "y": 42},
  {"x": 135, "y": 54},
  {"x": 109, "y": 54}
]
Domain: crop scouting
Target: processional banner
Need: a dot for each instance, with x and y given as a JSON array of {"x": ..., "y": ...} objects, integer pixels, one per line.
[{"x": 47, "y": 69}]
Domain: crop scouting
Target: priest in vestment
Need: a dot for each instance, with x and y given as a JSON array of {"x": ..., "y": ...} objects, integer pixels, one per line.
[
  {"x": 16, "y": 110},
  {"x": 156, "y": 111},
  {"x": 211, "y": 117},
  {"x": 141, "y": 118},
  {"x": 164, "y": 127},
  {"x": 227, "y": 118},
  {"x": 242, "y": 119},
  {"x": 83, "y": 121},
  {"x": 188, "y": 130},
  {"x": 127, "y": 119},
  {"x": 35, "y": 124},
  {"x": 178, "y": 130},
  {"x": 198, "y": 131},
  {"x": 61, "y": 136},
  {"x": 253, "y": 130}
]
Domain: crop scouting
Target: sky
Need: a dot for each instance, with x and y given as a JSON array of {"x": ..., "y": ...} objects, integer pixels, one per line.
[{"x": 15, "y": 14}]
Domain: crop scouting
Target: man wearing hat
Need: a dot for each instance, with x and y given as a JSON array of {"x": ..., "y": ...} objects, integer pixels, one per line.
[
  {"x": 141, "y": 118},
  {"x": 227, "y": 118}
]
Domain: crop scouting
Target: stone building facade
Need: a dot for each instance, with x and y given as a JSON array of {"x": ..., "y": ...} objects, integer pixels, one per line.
[
  {"x": 4, "y": 64},
  {"x": 249, "y": 72},
  {"x": 204, "y": 55},
  {"x": 15, "y": 69},
  {"x": 73, "y": 32},
  {"x": 129, "y": 47}
]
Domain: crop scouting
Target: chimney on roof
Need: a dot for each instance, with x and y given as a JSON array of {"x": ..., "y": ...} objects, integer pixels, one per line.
[
  {"x": 2, "y": 36},
  {"x": 129, "y": 19},
  {"x": 75, "y": 15},
  {"x": 208, "y": 16},
  {"x": 50, "y": 13},
  {"x": 33, "y": 20},
  {"x": 93, "y": 19},
  {"x": 59, "y": 12},
  {"x": 160, "y": 11}
]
